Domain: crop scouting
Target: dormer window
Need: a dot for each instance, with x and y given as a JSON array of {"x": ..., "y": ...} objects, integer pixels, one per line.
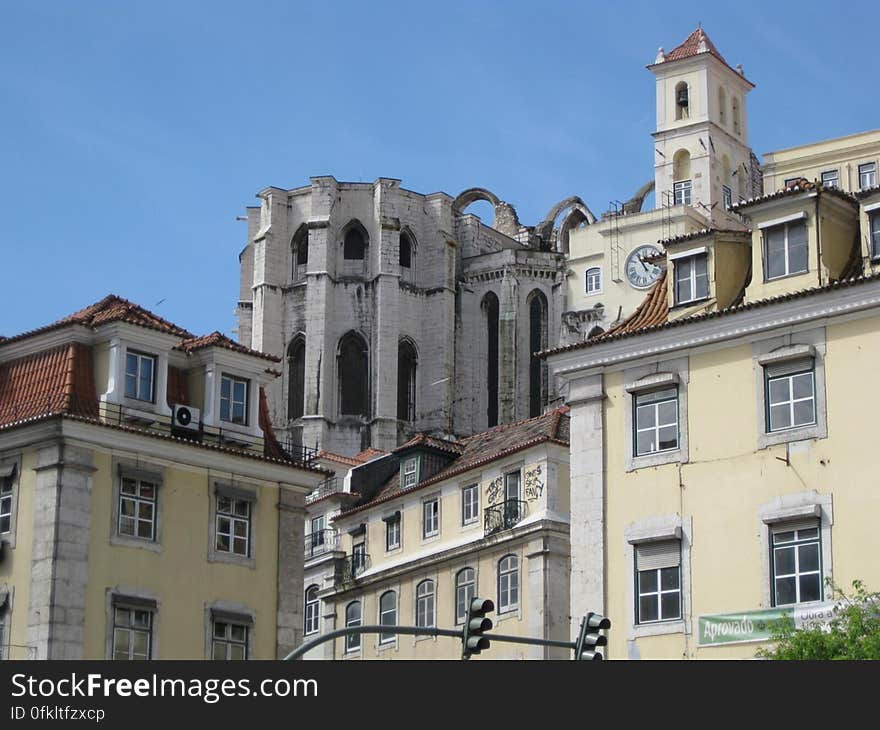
[
  {"x": 785, "y": 249},
  {"x": 691, "y": 278},
  {"x": 410, "y": 472},
  {"x": 234, "y": 399},
  {"x": 140, "y": 376}
]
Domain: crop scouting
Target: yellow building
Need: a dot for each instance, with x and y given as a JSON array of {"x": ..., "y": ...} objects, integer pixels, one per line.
[
  {"x": 420, "y": 531},
  {"x": 146, "y": 508},
  {"x": 702, "y": 165},
  {"x": 849, "y": 163},
  {"x": 720, "y": 456}
]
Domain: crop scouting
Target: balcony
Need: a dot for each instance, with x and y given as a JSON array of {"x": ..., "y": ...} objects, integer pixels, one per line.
[
  {"x": 321, "y": 543},
  {"x": 324, "y": 489},
  {"x": 351, "y": 566},
  {"x": 150, "y": 422},
  {"x": 503, "y": 516}
]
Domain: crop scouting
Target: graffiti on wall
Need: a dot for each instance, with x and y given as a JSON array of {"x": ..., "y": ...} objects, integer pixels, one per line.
[
  {"x": 495, "y": 490},
  {"x": 533, "y": 486}
]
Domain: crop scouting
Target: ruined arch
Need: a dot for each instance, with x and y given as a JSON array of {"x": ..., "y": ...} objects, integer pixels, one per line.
[
  {"x": 637, "y": 201},
  {"x": 505, "y": 219},
  {"x": 544, "y": 229}
]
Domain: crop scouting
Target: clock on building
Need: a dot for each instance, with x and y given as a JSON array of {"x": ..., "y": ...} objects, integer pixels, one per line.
[{"x": 642, "y": 274}]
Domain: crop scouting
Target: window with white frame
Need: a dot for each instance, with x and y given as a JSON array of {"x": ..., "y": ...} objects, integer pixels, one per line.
[
  {"x": 233, "y": 525},
  {"x": 358, "y": 558},
  {"x": 465, "y": 590},
  {"x": 594, "y": 280},
  {"x": 388, "y": 615},
  {"x": 234, "y": 399},
  {"x": 140, "y": 376},
  {"x": 316, "y": 536},
  {"x": 229, "y": 641},
  {"x": 508, "y": 583},
  {"x": 682, "y": 192},
  {"x": 431, "y": 517},
  {"x": 392, "y": 532},
  {"x": 874, "y": 226},
  {"x": 313, "y": 610},
  {"x": 796, "y": 563},
  {"x": 656, "y": 421},
  {"x": 658, "y": 580},
  {"x": 137, "y": 508},
  {"x": 785, "y": 249},
  {"x": 726, "y": 197},
  {"x": 425, "y": 603},
  {"x": 470, "y": 504},
  {"x": 691, "y": 278},
  {"x": 353, "y": 618},
  {"x": 7, "y": 472},
  {"x": 132, "y": 633},
  {"x": 410, "y": 473},
  {"x": 867, "y": 175},
  {"x": 790, "y": 394},
  {"x": 831, "y": 179}
]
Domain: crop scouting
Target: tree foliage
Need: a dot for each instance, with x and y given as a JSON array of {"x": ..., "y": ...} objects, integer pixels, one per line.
[{"x": 852, "y": 633}]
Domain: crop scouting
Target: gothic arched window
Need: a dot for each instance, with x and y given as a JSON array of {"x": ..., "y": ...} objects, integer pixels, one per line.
[
  {"x": 354, "y": 244},
  {"x": 299, "y": 253},
  {"x": 537, "y": 342},
  {"x": 296, "y": 377},
  {"x": 352, "y": 366},
  {"x": 490, "y": 314},
  {"x": 406, "y": 250},
  {"x": 406, "y": 381}
]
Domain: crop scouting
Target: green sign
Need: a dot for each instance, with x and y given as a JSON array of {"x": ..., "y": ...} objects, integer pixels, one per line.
[{"x": 746, "y": 626}]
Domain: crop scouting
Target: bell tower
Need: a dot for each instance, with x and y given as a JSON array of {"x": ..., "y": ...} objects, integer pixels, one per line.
[{"x": 702, "y": 156}]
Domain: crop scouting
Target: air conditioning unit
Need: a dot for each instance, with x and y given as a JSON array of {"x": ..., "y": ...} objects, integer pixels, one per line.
[{"x": 185, "y": 417}]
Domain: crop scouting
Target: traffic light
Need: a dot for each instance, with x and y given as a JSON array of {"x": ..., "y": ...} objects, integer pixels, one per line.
[
  {"x": 472, "y": 639},
  {"x": 589, "y": 637}
]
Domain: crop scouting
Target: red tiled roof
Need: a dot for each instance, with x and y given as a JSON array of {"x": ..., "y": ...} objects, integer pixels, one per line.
[
  {"x": 54, "y": 381},
  {"x": 423, "y": 439},
  {"x": 217, "y": 339},
  {"x": 486, "y": 447},
  {"x": 691, "y": 47},
  {"x": 368, "y": 454},
  {"x": 660, "y": 324},
  {"x": 330, "y": 456},
  {"x": 111, "y": 308},
  {"x": 796, "y": 187}
]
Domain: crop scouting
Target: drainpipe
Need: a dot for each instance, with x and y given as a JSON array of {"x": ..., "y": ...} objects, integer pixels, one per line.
[{"x": 818, "y": 239}]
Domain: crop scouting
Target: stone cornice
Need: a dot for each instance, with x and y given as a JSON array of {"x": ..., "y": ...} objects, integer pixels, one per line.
[{"x": 861, "y": 300}]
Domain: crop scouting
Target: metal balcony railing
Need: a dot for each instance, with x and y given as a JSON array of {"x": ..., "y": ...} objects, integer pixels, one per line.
[
  {"x": 321, "y": 542},
  {"x": 352, "y": 566},
  {"x": 324, "y": 489},
  {"x": 145, "y": 419},
  {"x": 503, "y": 516}
]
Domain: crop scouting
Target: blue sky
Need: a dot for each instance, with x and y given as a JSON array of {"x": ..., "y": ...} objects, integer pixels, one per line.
[{"x": 133, "y": 134}]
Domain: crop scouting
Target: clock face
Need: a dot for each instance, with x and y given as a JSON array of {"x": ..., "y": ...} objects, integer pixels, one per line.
[{"x": 642, "y": 274}]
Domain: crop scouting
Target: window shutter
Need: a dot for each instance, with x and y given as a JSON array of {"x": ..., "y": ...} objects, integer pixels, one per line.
[
  {"x": 654, "y": 555},
  {"x": 789, "y": 366},
  {"x": 810, "y": 524}
]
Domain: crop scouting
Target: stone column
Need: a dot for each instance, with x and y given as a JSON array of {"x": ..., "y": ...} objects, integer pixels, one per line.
[
  {"x": 585, "y": 397},
  {"x": 60, "y": 553},
  {"x": 507, "y": 359},
  {"x": 291, "y": 538}
]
